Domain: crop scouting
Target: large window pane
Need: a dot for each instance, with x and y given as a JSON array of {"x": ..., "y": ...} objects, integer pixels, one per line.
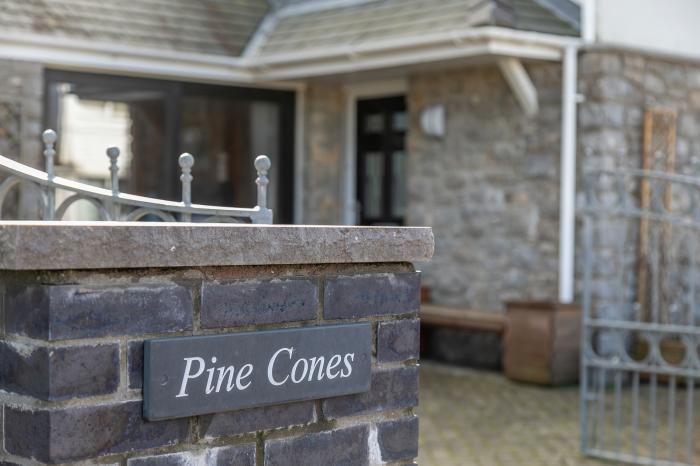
[
  {"x": 374, "y": 176},
  {"x": 153, "y": 121},
  {"x": 225, "y": 136},
  {"x": 90, "y": 116}
]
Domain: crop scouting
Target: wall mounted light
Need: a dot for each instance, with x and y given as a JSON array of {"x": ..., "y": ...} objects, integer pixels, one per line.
[{"x": 432, "y": 120}]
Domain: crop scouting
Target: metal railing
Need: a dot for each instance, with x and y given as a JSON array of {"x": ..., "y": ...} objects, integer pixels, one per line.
[
  {"x": 640, "y": 365},
  {"x": 114, "y": 205}
]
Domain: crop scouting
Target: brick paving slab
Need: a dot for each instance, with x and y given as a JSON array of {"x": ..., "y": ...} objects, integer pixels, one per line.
[{"x": 478, "y": 418}]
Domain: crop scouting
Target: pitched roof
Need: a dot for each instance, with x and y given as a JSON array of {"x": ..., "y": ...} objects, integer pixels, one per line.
[
  {"x": 367, "y": 21},
  {"x": 217, "y": 27}
]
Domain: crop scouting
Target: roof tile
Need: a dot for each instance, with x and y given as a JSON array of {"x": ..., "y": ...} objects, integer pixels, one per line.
[{"x": 217, "y": 27}]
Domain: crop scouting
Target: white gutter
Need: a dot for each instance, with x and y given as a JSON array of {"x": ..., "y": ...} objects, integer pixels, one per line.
[
  {"x": 454, "y": 37},
  {"x": 272, "y": 70},
  {"x": 81, "y": 55},
  {"x": 567, "y": 195}
]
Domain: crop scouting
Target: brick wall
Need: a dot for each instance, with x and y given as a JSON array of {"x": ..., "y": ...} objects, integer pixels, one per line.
[{"x": 71, "y": 365}]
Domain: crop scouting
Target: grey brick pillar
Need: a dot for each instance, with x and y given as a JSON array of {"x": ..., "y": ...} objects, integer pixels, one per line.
[{"x": 79, "y": 300}]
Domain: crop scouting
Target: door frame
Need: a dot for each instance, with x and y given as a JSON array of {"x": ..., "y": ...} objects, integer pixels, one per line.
[{"x": 353, "y": 93}]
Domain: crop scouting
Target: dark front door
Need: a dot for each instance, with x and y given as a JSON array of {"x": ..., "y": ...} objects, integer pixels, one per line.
[{"x": 381, "y": 161}]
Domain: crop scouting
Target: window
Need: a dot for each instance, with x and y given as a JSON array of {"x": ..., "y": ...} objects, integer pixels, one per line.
[{"x": 153, "y": 121}]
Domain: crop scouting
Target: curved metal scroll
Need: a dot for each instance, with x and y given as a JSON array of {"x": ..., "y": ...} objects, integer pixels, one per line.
[{"x": 61, "y": 211}]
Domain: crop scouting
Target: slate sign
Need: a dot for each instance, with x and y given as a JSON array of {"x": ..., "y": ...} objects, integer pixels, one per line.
[{"x": 188, "y": 376}]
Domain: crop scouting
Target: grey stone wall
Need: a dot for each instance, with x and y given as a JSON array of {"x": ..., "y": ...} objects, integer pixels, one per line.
[
  {"x": 71, "y": 365},
  {"x": 489, "y": 188},
  {"x": 618, "y": 87},
  {"x": 21, "y": 102},
  {"x": 22, "y": 87},
  {"x": 325, "y": 135}
]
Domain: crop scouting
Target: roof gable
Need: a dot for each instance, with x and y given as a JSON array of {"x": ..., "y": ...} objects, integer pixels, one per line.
[{"x": 361, "y": 22}]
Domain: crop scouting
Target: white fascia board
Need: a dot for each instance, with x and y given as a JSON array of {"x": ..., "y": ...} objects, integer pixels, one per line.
[
  {"x": 89, "y": 56},
  {"x": 118, "y": 49},
  {"x": 520, "y": 83},
  {"x": 273, "y": 71},
  {"x": 411, "y": 57},
  {"x": 456, "y": 38}
]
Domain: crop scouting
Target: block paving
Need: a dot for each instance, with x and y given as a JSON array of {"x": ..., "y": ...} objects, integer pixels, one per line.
[{"x": 480, "y": 418}]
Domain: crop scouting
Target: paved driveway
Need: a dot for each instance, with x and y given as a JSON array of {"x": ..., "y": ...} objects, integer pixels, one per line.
[{"x": 470, "y": 418}]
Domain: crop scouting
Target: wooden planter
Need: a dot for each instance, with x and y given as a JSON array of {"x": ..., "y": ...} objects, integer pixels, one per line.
[
  {"x": 541, "y": 342},
  {"x": 672, "y": 351}
]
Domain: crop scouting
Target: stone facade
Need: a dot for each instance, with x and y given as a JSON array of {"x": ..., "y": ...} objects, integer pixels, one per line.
[
  {"x": 618, "y": 87},
  {"x": 22, "y": 86},
  {"x": 324, "y": 144},
  {"x": 21, "y": 116},
  {"x": 71, "y": 361},
  {"x": 489, "y": 187}
]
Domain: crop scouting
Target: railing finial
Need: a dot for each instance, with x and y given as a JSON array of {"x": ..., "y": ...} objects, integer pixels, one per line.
[
  {"x": 49, "y": 137},
  {"x": 113, "y": 154},
  {"x": 186, "y": 162},
  {"x": 262, "y": 165}
]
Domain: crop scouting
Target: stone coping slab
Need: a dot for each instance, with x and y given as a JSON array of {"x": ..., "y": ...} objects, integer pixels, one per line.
[{"x": 31, "y": 245}]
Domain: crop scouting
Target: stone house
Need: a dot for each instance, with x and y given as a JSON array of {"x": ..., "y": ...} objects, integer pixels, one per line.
[{"x": 466, "y": 115}]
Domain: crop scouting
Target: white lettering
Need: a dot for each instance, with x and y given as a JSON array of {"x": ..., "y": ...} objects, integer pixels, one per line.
[
  {"x": 222, "y": 374},
  {"x": 332, "y": 364},
  {"x": 348, "y": 366},
  {"x": 319, "y": 361},
  {"x": 242, "y": 375},
  {"x": 294, "y": 370},
  {"x": 271, "y": 366},
  {"x": 210, "y": 387},
  {"x": 187, "y": 375}
]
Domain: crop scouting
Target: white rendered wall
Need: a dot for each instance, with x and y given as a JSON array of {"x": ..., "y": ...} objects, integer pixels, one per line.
[{"x": 669, "y": 27}]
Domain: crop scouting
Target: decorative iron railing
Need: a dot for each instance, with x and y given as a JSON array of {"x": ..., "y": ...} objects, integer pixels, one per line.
[
  {"x": 640, "y": 349},
  {"x": 117, "y": 206}
]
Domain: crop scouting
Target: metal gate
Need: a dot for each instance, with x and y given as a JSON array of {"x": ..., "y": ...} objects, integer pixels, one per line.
[{"x": 641, "y": 333}]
